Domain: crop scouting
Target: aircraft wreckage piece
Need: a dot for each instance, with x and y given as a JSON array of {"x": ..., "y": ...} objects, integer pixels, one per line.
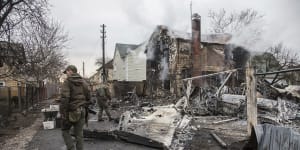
[
  {"x": 273, "y": 110},
  {"x": 150, "y": 126},
  {"x": 126, "y": 136},
  {"x": 158, "y": 124}
]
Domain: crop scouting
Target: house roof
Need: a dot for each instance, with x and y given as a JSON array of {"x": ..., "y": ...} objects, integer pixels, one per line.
[
  {"x": 124, "y": 48},
  {"x": 109, "y": 65},
  {"x": 223, "y": 38}
]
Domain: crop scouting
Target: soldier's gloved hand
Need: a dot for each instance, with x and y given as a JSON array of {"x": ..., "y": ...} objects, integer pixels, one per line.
[
  {"x": 88, "y": 103},
  {"x": 63, "y": 116}
]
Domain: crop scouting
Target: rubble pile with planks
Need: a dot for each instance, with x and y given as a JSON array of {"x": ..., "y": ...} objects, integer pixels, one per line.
[{"x": 210, "y": 117}]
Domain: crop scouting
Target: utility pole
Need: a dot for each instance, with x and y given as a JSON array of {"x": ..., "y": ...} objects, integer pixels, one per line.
[
  {"x": 103, "y": 36},
  {"x": 191, "y": 11}
]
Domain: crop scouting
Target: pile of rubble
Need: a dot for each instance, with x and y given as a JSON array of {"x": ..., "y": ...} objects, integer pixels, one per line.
[{"x": 215, "y": 114}]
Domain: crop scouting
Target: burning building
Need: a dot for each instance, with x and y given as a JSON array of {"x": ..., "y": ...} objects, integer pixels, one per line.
[{"x": 173, "y": 56}]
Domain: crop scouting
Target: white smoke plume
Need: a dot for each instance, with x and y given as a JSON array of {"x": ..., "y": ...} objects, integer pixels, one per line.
[{"x": 165, "y": 68}]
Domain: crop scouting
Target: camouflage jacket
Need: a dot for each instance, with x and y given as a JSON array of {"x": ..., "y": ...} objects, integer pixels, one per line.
[
  {"x": 74, "y": 93},
  {"x": 103, "y": 92}
]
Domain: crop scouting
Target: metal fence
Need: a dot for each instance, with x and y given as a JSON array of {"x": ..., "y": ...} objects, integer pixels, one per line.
[
  {"x": 14, "y": 99},
  {"x": 5, "y": 101}
]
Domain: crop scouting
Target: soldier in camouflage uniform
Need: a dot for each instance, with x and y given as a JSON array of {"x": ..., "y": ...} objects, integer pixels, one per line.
[
  {"x": 103, "y": 95},
  {"x": 74, "y": 96}
]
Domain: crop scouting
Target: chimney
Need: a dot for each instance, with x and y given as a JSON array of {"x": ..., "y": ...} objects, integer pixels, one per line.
[{"x": 196, "y": 47}]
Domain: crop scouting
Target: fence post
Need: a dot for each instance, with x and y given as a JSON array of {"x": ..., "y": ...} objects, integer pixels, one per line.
[
  {"x": 9, "y": 100},
  {"x": 19, "y": 96},
  {"x": 251, "y": 99},
  {"x": 26, "y": 97}
]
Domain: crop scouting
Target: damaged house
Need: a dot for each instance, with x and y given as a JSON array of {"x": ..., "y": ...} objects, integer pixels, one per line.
[
  {"x": 177, "y": 63},
  {"x": 173, "y": 56}
]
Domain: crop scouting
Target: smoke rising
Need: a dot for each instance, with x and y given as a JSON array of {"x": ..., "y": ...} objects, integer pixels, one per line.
[{"x": 165, "y": 68}]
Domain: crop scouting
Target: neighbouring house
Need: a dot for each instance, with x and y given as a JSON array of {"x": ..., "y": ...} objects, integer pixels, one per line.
[
  {"x": 11, "y": 54},
  {"x": 108, "y": 71},
  {"x": 97, "y": 78},
  {"x": 13, "y": 85},
  {"x": 95, "y": 81},
  {"x": 129, "y": 62},
  {"x": 129, "y": 68}
]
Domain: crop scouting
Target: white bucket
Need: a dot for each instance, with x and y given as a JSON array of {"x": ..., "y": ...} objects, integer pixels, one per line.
[{"x": 48, "y": 125}]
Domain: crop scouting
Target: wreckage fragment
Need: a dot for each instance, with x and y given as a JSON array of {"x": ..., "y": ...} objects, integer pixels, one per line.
[
  {"x": 271, "y": 137},
  {"x": 158, "y": 125},
  {"x": 218, "y": 139}
]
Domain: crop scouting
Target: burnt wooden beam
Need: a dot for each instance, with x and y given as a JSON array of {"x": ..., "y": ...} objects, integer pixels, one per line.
[
  {"x": 137, "y": 139},
  {"x": 219, "y": 140},
  {"x": 209, "y": 75},
  {"x": 276, "y": 72},
  {"x": 224, "y": 121},
  {"x": 103, "y": 135},
  {"x": 223, "y": 84},
  {"x": 251, "y": 98}
]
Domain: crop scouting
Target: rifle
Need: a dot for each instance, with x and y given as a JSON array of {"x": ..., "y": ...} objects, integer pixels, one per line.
[{"x": 91, "y": 111}]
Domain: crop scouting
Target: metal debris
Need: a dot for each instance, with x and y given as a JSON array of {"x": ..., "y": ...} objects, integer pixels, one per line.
[{"x": 220, "y": 141}]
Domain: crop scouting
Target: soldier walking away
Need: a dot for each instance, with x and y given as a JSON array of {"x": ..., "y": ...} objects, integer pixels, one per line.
[
  {"x": 74, "y": 97},
  {"x": 103, "y": 95}
]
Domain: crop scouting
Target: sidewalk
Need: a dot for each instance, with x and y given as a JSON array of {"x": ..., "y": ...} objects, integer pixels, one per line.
[
  {"x": 23, "y": 128},
  {"x": 52, "y": 139}
]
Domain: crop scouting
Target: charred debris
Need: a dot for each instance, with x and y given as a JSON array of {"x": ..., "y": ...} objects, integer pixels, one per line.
[{"x": 202, "y": 91}]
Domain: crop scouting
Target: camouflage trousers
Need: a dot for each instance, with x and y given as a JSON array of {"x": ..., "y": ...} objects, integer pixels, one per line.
[
  {"x": 78, "y": 132},
  {"x": 102, "y": 104}
]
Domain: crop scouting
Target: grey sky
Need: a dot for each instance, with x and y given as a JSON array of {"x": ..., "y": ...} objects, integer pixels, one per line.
[{"x": 132, "y": 21}]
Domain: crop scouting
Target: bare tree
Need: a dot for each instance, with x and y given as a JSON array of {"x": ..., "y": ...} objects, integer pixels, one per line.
[
  {"x": 13, "y": 12},
  {"x": 244, "y": 25},
  {"x": 224, "y": 22},
  {"x": 278, "y": 57},
  {"x": 284, "y": 55},
  {"x": 43, "y": 45}
]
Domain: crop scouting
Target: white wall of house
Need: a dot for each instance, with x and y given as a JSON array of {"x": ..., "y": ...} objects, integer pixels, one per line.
[
  {"x": 132, "y": 67},
  {"x": 137, "y": 64},
  {"x": 119, "y": 67}
]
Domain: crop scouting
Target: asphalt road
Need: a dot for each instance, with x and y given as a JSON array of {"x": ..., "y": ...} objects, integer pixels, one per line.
[{"x": 52, "y": 140}]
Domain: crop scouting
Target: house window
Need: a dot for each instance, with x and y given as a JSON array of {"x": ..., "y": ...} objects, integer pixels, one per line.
[
  {"x": 185, "y": 73},
  {"x": 166, "y": 84},
  {"x": 2, "y": 83}
]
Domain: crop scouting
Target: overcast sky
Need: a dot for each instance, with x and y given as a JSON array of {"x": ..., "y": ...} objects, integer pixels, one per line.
[{"x": 132, "y": 22}]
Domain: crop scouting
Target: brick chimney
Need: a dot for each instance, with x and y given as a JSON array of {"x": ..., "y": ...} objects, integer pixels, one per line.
[{"x": 196, "y": 47}]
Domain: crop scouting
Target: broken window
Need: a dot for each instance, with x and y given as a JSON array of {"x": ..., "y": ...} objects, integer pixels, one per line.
[
  {"x": 185, "y": 73},
  {"x": 2, "y": 83},
  {"x": 166, "y": 84}
]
